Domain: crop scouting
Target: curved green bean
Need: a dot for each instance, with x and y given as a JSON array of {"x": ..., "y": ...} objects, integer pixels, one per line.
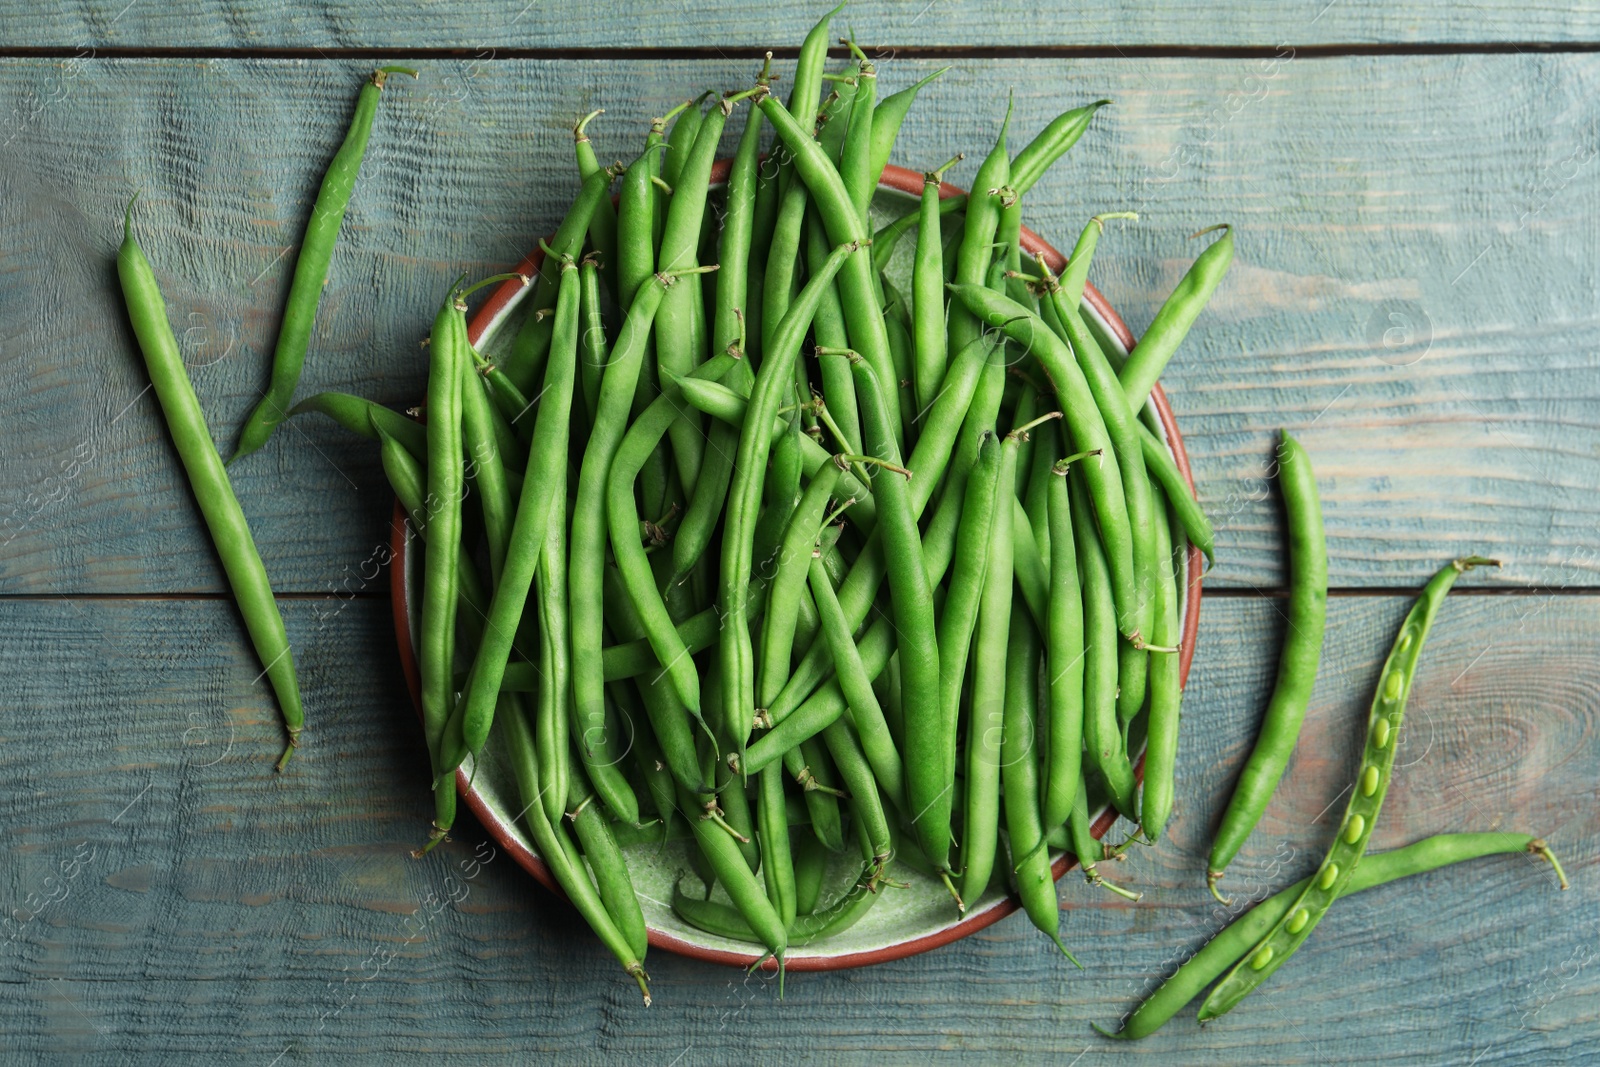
[
  {"x": 1171, "y": 325},
  {"x": 1297, "y": 662},
  {"x": 311, "y": 269}
]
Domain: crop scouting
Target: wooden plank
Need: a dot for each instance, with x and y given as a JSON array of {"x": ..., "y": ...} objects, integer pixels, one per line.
[
  {"x": 1453, "y": 196},
  {"x": 207, "y": 888},
  {"x": 702, "y": 24}
]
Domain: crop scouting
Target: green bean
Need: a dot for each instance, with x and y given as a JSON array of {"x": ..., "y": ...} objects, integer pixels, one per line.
[
  {"x": 409, "y": 481},
  {"x": 1165, "y": 689},
  {"x": 1008, "y": 257},
  {"x": 529, "y": 529},
  {"x": 592, "y": 352},
  {"x": 887, "y": 117},
  {"x": 910, "y": 591},
  {"x": 446, "y": 485},
  {"x": 604, "y": 856},
  {"x": 1089, "y": 432},
  {"x": 508, "y": 405},
  {"x": 788, "y": 583},
  {"x": 781, "y": 494},
  {"x": 603, "y": 224},
  {"x": 638, "y": 215},
  {"x": 1227, "y": 947},
  {"x": 808, "y": 928},
  {"x": 482, "y": 454},
  {"x": 733, "y": 805},
  {"x": 927, "y": 288},
  {"x": 808, "y": 66},
  {"x": 828, "y": 330},
  {"x": 712, "y": 916},
  {"x": 747, "y": 894},
  {"x": 887, "y": 239},
  {"x": 685, "y": 131},
  {"x": 1162, "y": 467},
  {"x": 531, "y": 345},
  {"x": 669, "y": 721},
  {"x": 1075, "y": 275},
  {"x": 931, "y": 729},
  {"x": 1030, "y": 569},
  {"x": 652, "y": 766},
  {"x": 810, "y": 766},
  {"x": 362, "y": 416},
  {"x": 1035, "y": 495},
  {"x": 1087, "y": 850},
  {"x": 311, "y": 269},
  {"x": 738, "y": 534},
  {"x": 863, "y": 313},
  {"x": 224, "y": 519},
  {"x": 977, "y": 239},
  {"x": 865, "y": 711},
  {"x": 810, "y": 864},
  {"x": 676, "y": 347},
  {"x": 552, "y": 723},
  {"x": 777, "y": 862},
  {"x": 622, "y": 518},
  {"x": 710, "y": 491},
  {"x": 985, "y": 727},
  {"x": 1171, "y": 324},
  {"x": 855, "y": 161},
  {"x": 667, "y": 716},
  {"x": 903, "y": 358},
  {"x": 587, "y": 548},
  {"x": 1117, "y": 414},
  {"x": 1361, "y": 811},
  {"x": 1297, "y": 662},
  {"x": 1102, "y": 736},
  {"x": 866, "y": 806},
  {"x": 783, "y": 258},
  {"x": 557, "y": 852},
  {"x": 1050, "y": 145},
  {"x": 833, "y": 120},
  {"x": 1064, "y": 637},
  {"x": 1019, "y": 777}
]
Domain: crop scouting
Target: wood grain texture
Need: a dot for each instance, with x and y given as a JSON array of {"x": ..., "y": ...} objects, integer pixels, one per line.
[
  {"x": 697, "y": 24},
  {"x": 221, "y": 912},
  {"x": 1414, "y": 293}
]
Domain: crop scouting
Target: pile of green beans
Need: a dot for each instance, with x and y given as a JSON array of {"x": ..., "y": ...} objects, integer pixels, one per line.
[
  {"x": 732, "y": 538},
  {"x": 794, "y": 557}
]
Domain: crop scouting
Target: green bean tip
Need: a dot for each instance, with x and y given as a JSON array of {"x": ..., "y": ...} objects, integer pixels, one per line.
[
  {"x": 381, "y": 75},
  {"x": 580, "y": 132},
  {"x": 1212, "y": 877},
  {"x": 1538, "y": 848},
  {"x": 1103, "y": 1032},
  {"x": 1212, "y": 229},
  {"x": 1062, "y": 946}
]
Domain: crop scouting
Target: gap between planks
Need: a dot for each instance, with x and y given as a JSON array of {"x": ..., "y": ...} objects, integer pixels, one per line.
[{"x": 491, "y": 52}]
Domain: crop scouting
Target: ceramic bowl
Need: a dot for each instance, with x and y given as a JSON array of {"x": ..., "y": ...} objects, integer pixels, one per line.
[{"x": 905, "y": 921}]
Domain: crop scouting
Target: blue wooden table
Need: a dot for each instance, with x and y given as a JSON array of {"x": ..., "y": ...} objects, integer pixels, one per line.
[{"x": 1417, "y": 204}]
